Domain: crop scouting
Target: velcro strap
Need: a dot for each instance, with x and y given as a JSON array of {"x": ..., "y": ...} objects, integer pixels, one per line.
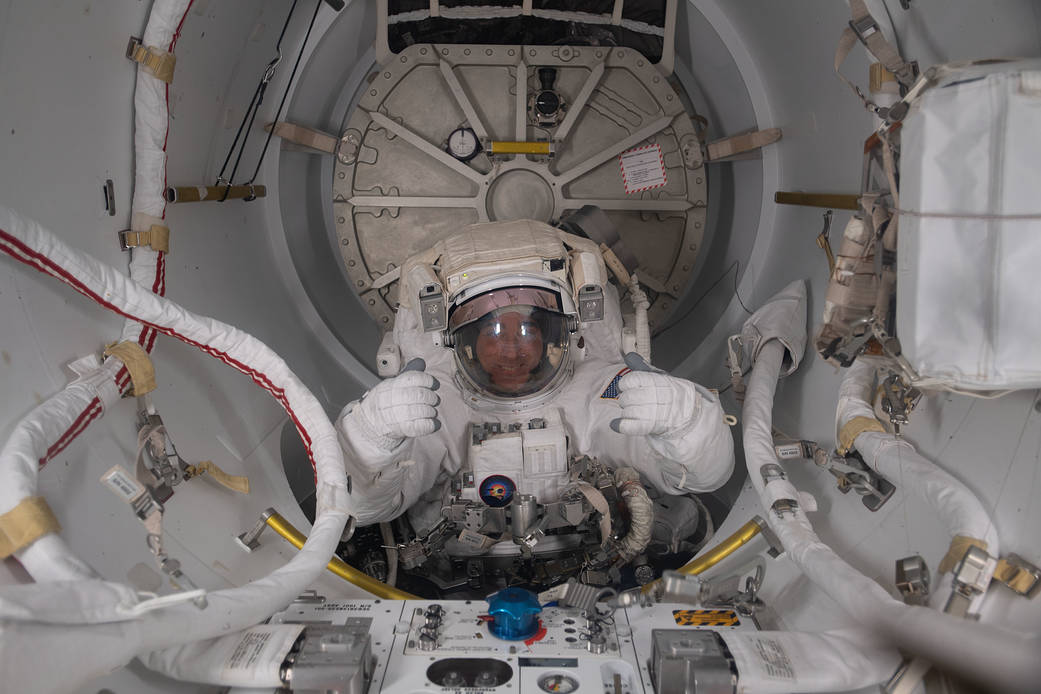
[
  {"x": 877, "y": 44},
  {"x": 157, "y": 237},
  {"x": 956, "y": 552},
  {"x": 854, "y": 428},
  {"x": 135, "y": 358},
  {"x": 235, "y": 483},
  {"x": 1021, "y": 577},
  {"x": 23, "y": 525},
  {"x": 159, "y": 63}
]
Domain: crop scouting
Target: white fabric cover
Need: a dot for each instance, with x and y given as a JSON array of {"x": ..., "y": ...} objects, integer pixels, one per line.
[
  {"x": 957, "y": 507},
  {"x": 1004, "y": 659},
  {"x": 782, "y": 318},
  {"x": 779, "y": 662},
  {"x": 412, "y": 476},
  {"x": 34, "y": 655},
  {"x": 49, "y": 558},
  {"x": 967, "y": 291}
]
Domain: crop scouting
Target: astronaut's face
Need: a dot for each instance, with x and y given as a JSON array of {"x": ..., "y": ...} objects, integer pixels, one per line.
[{"x": 509, "y": 348}]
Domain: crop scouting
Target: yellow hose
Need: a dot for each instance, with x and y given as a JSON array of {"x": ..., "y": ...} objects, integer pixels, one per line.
[
  {"x": 724, "y": 549},
  {"x": 339, "y": 567}
]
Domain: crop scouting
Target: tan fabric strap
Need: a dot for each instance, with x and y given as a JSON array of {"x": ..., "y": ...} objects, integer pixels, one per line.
[
  {"x": 157, "y": 237},
  {"x": 135, "y": 358},
  {"x": 854, "y": 428},
  {"x": 157, "y": 62},
  {"x": 956, "y": 552},
  {"x": 1019, "y": 575},
  {"x": 23, "y": 525},
  {"x": 867, "y": 30},
  {"x": 235, "y": 483}
]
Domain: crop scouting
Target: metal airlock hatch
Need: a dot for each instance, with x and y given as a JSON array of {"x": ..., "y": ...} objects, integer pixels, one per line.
[{"x": 406, "y": 175}]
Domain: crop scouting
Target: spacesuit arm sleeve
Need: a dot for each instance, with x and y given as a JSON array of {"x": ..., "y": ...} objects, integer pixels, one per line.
[{"x": 701, "y": 459}]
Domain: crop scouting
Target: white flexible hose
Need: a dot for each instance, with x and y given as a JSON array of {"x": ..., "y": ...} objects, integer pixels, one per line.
[
  {"x": 55, "y": 423},
  {"x": 897, "y": 460},
  {"x": 229, "y": 610},
  {"x": 643, "y": 328},
  {"x": 1006, "y": 660}
]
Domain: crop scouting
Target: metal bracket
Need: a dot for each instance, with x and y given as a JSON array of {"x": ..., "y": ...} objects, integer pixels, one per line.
[
  {"x": 1019, "y": 575},
  {"x": 331, "y": 658},
  {"x": 898, "y": 400},
  {"x": 851, "y": 473},
  {"x": 432, "y": 307},
  {"x": 970, "y": 578},
  {"x": 591, "y": 303},
  {"x": 846, "y": 348},
  {"x": 250, "y": 540},
  {"x": 824, "y": 243},
  {"x": 864, "y": 28},
  {"x": 912, "y": 579}
]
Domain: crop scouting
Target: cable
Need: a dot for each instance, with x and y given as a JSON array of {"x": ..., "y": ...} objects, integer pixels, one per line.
[
  {"x": 680, "y": 319},
  {"x": 254, "y": 106},
  {"x": 248, "y": 118},
  {"x": 285, "y": 94}
]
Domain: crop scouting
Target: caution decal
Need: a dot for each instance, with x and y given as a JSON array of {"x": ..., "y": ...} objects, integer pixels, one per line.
[{"x": 705, "y": 618}]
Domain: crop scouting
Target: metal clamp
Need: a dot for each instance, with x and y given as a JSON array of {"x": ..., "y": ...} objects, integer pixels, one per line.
[
  {"x": 432, "y": 307},
  {"x": 912, "y": 579},
  {"x": 898, "y": 400},
  {"x": 852, "y": 473},
  {"x": 864, "y": 27},
  {"x": 250, "y": 540},
  {"x": 970, "y": 578},
  {"x": 1019, "y": 575}
]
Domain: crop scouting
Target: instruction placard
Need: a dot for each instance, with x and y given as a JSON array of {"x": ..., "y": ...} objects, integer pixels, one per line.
[{"x": 643, "y": 168}]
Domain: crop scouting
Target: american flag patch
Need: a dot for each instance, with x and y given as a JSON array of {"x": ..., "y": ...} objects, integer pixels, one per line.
[{"x": 611, "y": 391}]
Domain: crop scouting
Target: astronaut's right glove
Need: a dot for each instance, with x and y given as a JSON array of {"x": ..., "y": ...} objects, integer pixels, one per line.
[
  {"x": 401, "y": 407},
  {"x": 654, "y": 403}
]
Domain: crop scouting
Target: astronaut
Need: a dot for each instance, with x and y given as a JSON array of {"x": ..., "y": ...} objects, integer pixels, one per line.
[{"x": 514, "y": 343}]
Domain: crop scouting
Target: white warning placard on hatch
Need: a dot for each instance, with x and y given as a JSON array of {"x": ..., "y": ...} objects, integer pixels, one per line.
[{"x": 642, "y": 168}]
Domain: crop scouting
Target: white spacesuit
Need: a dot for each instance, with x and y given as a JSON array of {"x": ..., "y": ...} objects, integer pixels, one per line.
[{"x": 520, "y": 334}]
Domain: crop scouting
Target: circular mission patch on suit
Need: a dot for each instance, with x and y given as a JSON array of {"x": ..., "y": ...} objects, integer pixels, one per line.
[{"x": 496, "y": 490}]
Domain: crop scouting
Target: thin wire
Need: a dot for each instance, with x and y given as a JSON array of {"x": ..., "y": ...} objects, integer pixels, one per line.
[
  {"x": 676, "y": 321},
  {"x": 285, "y": 94},
  {"x": 254, "y": 106}
]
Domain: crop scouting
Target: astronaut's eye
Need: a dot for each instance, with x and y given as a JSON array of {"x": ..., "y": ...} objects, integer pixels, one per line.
[{"x": 529, "y": 329}]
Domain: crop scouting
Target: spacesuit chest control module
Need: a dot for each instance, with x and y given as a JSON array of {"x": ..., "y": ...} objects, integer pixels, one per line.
[{"x": 525, "y": 440}]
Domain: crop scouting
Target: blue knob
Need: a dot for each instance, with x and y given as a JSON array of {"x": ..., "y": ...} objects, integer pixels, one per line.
[{"x": 515, "y": 614}]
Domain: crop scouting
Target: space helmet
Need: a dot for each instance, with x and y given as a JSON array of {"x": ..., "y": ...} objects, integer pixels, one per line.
[{"x": 511, "y": 342}]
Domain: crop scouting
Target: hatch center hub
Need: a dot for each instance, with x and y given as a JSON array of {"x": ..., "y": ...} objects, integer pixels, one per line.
[{"x": 520, "y": 194}]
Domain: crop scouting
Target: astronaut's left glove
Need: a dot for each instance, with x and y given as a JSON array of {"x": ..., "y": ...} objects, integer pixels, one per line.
[{"x": 654, "y": 403}]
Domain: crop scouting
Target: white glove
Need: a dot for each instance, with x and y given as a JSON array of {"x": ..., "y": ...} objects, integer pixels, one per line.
[
  {"x": 401, "y": 407},
  {"x": 654, "y": 403}
]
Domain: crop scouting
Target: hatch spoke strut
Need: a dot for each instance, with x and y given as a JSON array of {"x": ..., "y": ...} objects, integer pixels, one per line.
[
  {"x": 599, "y": 158},
  {"x": 417, "y": 141}
]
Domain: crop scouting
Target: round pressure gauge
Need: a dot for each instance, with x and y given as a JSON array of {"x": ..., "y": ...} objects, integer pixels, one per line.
[
  {"x": 463, "y": 144},
  {"x": 559, "y": 684}
]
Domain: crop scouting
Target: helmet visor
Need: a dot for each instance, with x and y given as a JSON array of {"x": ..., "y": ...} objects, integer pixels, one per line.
[{"x": 512, "y": 351}]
